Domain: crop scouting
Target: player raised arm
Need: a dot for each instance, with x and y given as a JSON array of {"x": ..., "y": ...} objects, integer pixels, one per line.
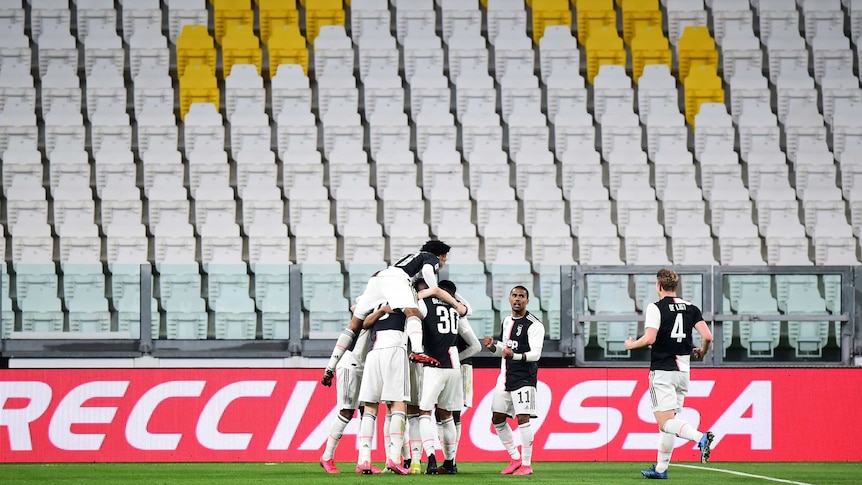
[{"x": 443, "y": 295}]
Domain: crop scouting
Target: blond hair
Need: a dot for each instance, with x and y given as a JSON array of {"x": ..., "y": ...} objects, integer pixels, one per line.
[{"x": 668, "y": 279}]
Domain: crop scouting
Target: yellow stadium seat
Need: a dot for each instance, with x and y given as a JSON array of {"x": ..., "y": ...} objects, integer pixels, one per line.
[
  {"x": 594, "y": 14},
  {"x": 319, "y": 13},
  {"x": 695, "y": 47},
  {"x": 198, "y": 85},
  {"x": 550, "y": 12},
  {"x": 228, "y": 13},
  {"x": 240, "y": 46},
  {"x": 604, "y": 47},
  {"x": 287, "y": 46},
  {"x": 650, "y": 46},
  {"x": 638, "y": 14},
  {"x": 195, "y": 47},
  {"x": 701, "y": 86},
  {"x": 275, "y": 14}
]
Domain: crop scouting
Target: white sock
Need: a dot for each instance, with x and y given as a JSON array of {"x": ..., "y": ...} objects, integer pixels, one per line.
[
  {"x": 335, "y": 432},
  {"x": 387, "y": 441},
  {"x": 665, "y": 449},
  {"x": 396, "y": 434},
  {"x": 426, "y": 426},
  {"x": 526, "y": 443},
  {"x": 682, "y": 429},
  {"x": 504, "y": 432},
  {"x": 457, "y": 440},
  {"x": 344, "y": 341},
  {"x": 415, "y": 435},
  {"x": 448, "y": 438},
  {"x": 366, "y": 434},
  {"x": 413, "y": 329}
]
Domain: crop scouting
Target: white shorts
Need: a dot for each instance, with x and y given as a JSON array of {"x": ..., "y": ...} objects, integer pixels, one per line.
[
  {"x": 391, "y": 285},
  {"x": 467, "y": 381},
  {"x": 514, "y": 403},
  {"x": 443, "y": 388},
  {"x": 348, "y": 377},
  {"x": 385, "y": 378},
  {"x": 415, "y": 382},
  {"x": 667, "y": 389}
]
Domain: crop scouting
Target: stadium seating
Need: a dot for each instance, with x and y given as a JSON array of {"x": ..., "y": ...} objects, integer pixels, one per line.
[{"x": 336, "y": 145}]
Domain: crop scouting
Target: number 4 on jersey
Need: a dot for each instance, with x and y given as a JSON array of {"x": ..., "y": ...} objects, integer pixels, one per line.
[{"x": 678, "y": 331}]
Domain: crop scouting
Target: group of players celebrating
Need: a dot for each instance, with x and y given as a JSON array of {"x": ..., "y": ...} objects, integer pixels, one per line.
[{"x": 404, "y": 307}]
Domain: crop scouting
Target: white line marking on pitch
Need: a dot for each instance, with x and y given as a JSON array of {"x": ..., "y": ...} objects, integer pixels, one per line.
[{"x": 732, "y": 472}]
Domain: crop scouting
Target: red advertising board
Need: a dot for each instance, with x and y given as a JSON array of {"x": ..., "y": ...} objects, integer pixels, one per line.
[{"x": 273, "y": 415}]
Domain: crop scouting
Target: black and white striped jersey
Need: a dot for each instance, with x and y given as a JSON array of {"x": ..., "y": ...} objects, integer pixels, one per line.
[
  {"x": 674, "y": 318},
  {"x": 521, "y": 335},
  {"x": 412, "y": 263},
  {"x": 440, "y": 331}
]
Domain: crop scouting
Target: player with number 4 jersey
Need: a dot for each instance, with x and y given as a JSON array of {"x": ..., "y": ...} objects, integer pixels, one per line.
[{"x": 668, "y": 327}]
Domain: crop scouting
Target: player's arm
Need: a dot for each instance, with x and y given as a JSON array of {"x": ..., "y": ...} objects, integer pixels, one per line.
[
  {"x": 495, "y": 348},
  {"x": 465, "y": 303},
  {"x": 377, "y": 314},
  {"x": 360, "y": 348},
  {"x": 429, "y": 275},
  {"x": 536, "y": 337},
  {"x": 652, "y": 322},
  {"x": 443, "y": 295},
  {"x": 705, "y": 337},
  {"x": 473, "y": 346}
]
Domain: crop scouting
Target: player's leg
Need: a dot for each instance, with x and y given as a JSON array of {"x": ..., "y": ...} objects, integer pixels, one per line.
[
  {"x": 501, "y": 408},
  {"x": 524, "y": 404},
  {"x": 467, "y": 387},
  {"x": 396, "y": 435},
  {"x": 451, "y": 398},
  {"x": 336, "y": 430},
  {"x": 401, "y": 296},
  {"x": 366, "y": 435},
  {"x": 370, "y": 390},
  {"x": 456, "y": 418},
  {"x": 414, "y": 456},
  {"x": 395, "y": 391},
  {"x": 666, "y": 386},
  {"x": 414, "y": 436},
  {"x": 432, "y": 385}
]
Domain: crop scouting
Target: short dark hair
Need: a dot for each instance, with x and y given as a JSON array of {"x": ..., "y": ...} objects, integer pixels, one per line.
[
  {"x": 519, "y": 287},
  {"x": 447, "y": 286},
  {"x": 437, "y": 248}
]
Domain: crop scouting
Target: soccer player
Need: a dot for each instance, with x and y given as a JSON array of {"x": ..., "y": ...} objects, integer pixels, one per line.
[
  {"x": 668, "y": 328},
  {"x": 349, "y": 375},
  {"x": 384, "y": 379},
  {"x": 394, "y": 285},
  {"x": 520, "y": 347},
  {"x": 441, "y": 386}
]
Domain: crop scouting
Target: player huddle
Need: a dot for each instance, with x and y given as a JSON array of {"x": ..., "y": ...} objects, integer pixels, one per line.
[{"x": 403, "y": 307}]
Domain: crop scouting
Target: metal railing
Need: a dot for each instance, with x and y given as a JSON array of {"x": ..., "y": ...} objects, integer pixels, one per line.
[{"x": 574, "y": 345}]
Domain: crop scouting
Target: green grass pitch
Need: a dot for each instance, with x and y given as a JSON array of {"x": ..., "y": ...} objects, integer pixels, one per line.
[{"x": 470, "y": 474}]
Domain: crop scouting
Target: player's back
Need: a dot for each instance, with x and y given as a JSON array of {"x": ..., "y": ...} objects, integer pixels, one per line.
[
  {"x": 440, "y": 332},
  {"x": 673, "y": 344},
  {"x": 412, "y": 263}
]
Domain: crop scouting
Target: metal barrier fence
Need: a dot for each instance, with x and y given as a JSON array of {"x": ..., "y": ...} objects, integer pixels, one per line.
[{"x": 760, "y": 316}]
